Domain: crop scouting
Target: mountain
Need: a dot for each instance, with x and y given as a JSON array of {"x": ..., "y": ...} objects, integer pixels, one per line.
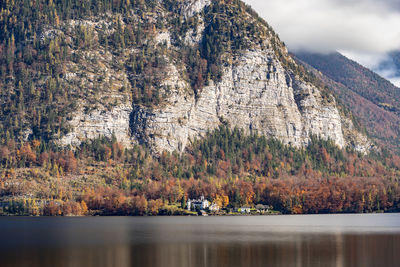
[
  {"x": 131, "y": 107},
  {"x": 373, "y": 100},
  {"x": 161, "y": 74}
]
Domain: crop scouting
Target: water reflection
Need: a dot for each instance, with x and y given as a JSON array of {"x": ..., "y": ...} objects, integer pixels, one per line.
[
  {"x": 335, "y": 251},
  {"x": 194, "y": 242}
]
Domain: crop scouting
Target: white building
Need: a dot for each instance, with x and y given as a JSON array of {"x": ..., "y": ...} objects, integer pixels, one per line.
[
  {"x": 201, "y": 203},
  {"x": 245, "y": 209}
]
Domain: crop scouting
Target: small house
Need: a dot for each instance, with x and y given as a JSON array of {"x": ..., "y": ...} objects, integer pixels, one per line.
[
  {"x": 202, "y": 203},
  {"x": 245, "y": 209},
  {"x": 262, "y": 208}
]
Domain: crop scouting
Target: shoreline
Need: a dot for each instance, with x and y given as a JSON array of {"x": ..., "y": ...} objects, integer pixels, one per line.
[{"x": 209, "y": 215}]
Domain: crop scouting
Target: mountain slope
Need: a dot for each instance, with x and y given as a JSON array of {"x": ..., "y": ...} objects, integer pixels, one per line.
[
  {"x": 373, "y": 100},
  {"x": 159, "y": 73},
  {"x": 97, "y": 96}
]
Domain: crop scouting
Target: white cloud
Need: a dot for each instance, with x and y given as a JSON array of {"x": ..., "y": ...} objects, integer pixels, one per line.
[
  {"x": 372, "y": 60},
  {"x": 330, "y": 25},
  {"x": 396, "y": 81},
  {"x": 363, "y": 30}
]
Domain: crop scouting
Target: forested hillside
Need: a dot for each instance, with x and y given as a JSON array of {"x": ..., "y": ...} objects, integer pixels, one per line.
[
  {"x": 53, "y": 53},
  {"x": 36, "y": 92},
  {"x": 106, "y": 59},
  {"x": 228, "y": 168},
  {"x": 373, "y": 100}
]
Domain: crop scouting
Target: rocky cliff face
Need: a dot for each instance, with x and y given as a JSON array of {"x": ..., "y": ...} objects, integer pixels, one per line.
[
  {"x": 105, "y": 107},
  {"x": 100, "y": 123},
  {"x": 256, "y": 93},
  {"x": 192, "y": 7}
]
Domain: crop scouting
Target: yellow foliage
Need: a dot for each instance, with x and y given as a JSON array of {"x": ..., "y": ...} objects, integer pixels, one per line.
[
  {"x": 35, "y": 143},
  {"x": 84, "y": 207}
]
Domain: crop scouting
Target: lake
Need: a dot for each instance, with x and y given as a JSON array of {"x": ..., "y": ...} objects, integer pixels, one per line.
[{"x": 313, "y": 240}]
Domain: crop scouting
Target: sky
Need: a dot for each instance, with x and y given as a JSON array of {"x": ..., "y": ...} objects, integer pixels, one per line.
[{"x": 363, "y": 30}]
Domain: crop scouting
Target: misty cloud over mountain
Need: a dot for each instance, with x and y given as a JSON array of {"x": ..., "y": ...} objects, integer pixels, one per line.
[
  {"x": 364, "y": 30},
  {"x": 390, "y": 67},
  {"x": 331, "y": 25}
]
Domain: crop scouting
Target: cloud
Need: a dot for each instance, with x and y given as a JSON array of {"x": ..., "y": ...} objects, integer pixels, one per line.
[
  {"x": 363, "y": 30},
  {"x": 366, "y": 26},
  {"x": 390, "y": 73},
  {"x": 372, "y": 60},
  {"x": 396, "y": 81}
]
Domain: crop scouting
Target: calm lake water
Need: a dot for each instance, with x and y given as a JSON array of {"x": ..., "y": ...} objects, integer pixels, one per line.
[{"x": 315, "y": 240}]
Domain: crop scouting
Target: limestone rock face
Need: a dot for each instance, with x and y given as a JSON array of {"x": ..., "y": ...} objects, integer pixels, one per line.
[
  {"x": 192, "y": 7},
  {"x": 106, "y": 106},
  {"x": 98, "y": 123},
  {"x": 256, "y": 94}
]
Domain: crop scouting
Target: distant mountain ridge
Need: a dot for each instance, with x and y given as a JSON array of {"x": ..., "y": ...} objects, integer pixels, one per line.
[{"x": 374, "y": 101}]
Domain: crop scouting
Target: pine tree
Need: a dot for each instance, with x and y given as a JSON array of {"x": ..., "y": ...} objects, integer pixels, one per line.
[{"x": 183, "y": 202}]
